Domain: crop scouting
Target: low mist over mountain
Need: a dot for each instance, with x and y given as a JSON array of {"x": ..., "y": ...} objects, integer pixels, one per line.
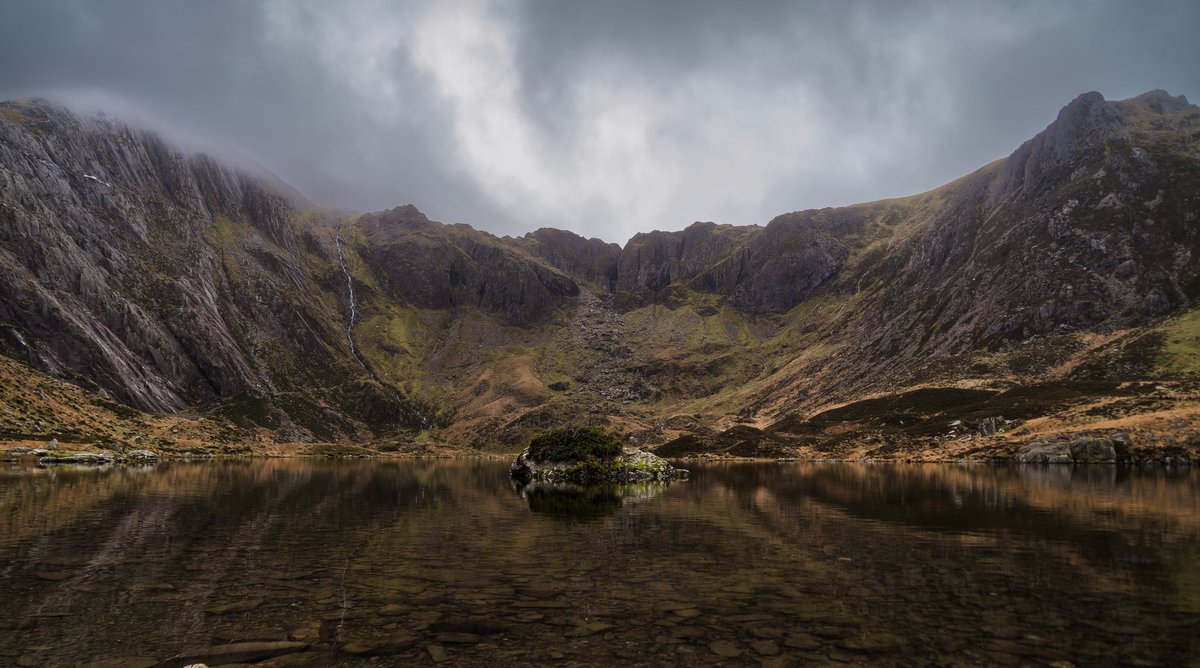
[{"x": 201, "y": 306}]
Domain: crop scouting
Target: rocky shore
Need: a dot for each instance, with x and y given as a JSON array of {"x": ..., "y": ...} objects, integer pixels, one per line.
[{"x": 52, "y": 454}]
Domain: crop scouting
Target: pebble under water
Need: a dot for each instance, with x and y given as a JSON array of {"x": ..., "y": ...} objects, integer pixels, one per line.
[{"x": 399, "y": 562}]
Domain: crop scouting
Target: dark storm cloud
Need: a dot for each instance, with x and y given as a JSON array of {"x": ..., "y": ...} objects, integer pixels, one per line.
[
  {"x": 214, "y": 69},
  {"x": 956, "y": 84},
  {"x": 603, "y": 117}
]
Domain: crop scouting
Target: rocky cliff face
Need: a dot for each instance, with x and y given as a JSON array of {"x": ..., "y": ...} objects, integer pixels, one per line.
[
  {"x": 1091, "y": 225},
  {"x": 590, "y": 260},
  {"x": 169, "y": 280},
  {"x": 435, "y": 266},
  {"x": 101, "y": 236}
]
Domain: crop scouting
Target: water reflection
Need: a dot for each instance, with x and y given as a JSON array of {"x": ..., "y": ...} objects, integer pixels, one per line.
[
  {"x": 571, "y": 502},
  {"x": 414, "y": 561}
]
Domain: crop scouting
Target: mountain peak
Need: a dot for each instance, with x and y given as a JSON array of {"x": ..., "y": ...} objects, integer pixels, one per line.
[
  {"x": 1080, "y": 126},
  {"x": 406, "y": 214},
  {"x": 1084, "y": 115},
  {"x": 1084, "y": 100},
  {"x": 1163, "y": 102}
]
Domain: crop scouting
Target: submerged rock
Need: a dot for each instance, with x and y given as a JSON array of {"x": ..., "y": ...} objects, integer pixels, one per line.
[
  {"x": 631, "y": 465},
  {"x": 388, "y": 645},
  {"x": 245, "y": 652}
]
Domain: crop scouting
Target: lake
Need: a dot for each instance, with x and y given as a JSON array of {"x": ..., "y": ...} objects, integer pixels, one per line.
[{"x": 396, "y": 562}]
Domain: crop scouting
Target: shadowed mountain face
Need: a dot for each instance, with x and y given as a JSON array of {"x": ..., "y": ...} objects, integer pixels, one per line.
[
  {"x": 765, "y": 270},
  {"x": 447, "y": 267},
  {"x": 169, "y": 280}
]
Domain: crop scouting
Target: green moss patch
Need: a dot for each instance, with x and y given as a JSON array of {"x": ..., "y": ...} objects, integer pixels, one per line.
[
  {"x": 13, "y": 115},
  {"x": 1181, "y": 354},
  {"x": 573, "y": 443}
]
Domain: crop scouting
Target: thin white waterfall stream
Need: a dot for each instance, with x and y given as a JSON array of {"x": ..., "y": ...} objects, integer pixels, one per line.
[{"x": 337, "y": 240}]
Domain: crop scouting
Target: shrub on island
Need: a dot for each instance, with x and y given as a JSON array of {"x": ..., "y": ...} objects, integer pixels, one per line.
[{"x": 573, "y": 443}]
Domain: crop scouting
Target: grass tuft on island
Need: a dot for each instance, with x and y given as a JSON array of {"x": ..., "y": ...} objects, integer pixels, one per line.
[{"x": 574, "y": 443}]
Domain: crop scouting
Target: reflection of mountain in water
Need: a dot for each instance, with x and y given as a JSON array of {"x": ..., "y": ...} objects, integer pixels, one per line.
[
  {"x": 584, "y": 503},
  {"x": 390, "y": 557}
]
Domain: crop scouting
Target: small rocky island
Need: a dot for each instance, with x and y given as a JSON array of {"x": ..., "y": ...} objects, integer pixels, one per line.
[{"x": 586, "y": 455}]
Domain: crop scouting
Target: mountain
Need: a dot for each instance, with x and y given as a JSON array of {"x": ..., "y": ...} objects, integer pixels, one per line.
[{"x": 1054, "y": 288}]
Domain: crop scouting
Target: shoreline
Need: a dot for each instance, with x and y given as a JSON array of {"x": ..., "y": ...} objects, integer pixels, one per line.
[{"x": 99, "y": 458}]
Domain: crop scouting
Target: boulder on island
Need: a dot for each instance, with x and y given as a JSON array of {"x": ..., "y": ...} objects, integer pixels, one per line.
[{"x": 588, "y": 454}]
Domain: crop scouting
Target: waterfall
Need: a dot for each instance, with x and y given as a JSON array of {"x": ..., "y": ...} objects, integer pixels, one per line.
[{"x": 337, "y": 240}]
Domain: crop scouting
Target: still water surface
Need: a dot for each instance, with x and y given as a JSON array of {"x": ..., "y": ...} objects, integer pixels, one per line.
[{"x": 400, "y": 563}]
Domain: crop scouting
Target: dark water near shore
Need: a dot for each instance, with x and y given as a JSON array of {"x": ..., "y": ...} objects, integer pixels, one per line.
[{"x": 785, "y": 564}]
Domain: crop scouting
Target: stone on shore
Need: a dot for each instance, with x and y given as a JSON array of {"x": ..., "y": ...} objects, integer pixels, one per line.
[
  {"x": 76, "y": 458},
  {"x": 1088, "y": 450}
]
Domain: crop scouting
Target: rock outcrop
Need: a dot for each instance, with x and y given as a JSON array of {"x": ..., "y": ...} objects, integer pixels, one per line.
[
  {"x": 435, "y": 266},
  {"x": 589, "y": 260},
  {"x": 761, "y": 270},
  {"x": 88, "y": 458},
  {"x": 632, "y": 465},
  {"x": 1092, "y": 450}
]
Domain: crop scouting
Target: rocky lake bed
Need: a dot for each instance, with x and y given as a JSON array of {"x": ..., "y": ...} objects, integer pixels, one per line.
[{"x": 309, "y": 562}]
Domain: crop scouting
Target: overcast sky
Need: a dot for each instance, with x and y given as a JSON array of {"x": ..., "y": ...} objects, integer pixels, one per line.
[{"x": 607, "y": 117}]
